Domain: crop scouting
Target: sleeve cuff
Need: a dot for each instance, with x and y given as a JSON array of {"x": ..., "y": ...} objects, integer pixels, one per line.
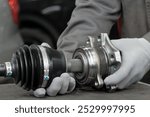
[{"x": 147, "y": 36}]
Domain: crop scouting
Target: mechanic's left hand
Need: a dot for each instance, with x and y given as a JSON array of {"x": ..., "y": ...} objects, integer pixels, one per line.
[
  {"x": 135, "y": 62},
  {"x": 60, "y": 85}
]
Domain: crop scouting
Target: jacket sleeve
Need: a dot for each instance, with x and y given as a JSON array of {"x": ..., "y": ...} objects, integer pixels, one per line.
[
  {"x": 90, "y": 17},
  {"x": 147, "y": 36}
]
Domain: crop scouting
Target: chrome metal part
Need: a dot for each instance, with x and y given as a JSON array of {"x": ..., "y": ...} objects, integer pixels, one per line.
[
  {"x": 99, "y": 59},
  {"x": 46, "y": 66},
  {"x": 8, "y": 69},
  {"x": 113, "y": 54}
]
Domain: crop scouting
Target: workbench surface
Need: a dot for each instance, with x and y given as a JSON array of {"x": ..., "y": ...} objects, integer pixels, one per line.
[{"x": 138, "y": 91}]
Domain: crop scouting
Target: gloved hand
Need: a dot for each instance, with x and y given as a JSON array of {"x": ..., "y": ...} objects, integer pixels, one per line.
[
  {"x": 60, "y": 85},
  {"x": 135, "y": 62}
]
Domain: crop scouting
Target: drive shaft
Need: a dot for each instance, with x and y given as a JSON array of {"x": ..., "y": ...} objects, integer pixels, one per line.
[{"x": 35, "y": 66}]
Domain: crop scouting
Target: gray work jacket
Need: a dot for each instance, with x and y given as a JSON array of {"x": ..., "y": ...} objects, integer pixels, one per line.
[{"x": 92, "y": 17}]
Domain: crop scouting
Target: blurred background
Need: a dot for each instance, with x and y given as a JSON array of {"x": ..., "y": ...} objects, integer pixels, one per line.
[{"x": 44, "y": 20}]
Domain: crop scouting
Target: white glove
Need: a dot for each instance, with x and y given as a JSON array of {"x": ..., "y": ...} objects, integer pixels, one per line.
[
  {"x": 135, "y": 62},
  {"x": 60, "y": 85}
]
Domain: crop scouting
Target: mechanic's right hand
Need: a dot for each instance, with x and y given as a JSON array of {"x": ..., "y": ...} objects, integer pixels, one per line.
[
  {"x": 60, "y": 85},
  {"x": 135, "y": 62}
]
